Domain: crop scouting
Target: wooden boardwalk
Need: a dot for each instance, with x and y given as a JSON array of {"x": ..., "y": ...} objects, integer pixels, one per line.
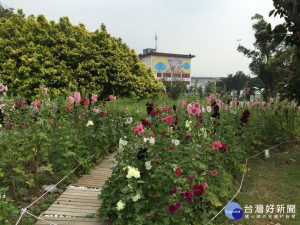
[{"x": 79, "y": 203}]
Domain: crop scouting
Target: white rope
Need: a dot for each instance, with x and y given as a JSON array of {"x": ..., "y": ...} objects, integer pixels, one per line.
[
  {"x": 72, "y": 171},
  {"x": 244, "y": 174},
  {"x": 39, "y": 218}
]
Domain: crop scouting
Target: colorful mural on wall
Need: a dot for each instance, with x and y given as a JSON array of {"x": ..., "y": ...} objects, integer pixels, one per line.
[{"x": 161, "y": 65}]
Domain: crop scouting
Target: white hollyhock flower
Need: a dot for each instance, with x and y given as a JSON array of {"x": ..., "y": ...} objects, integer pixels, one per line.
[
  {"x": 133, "y": 172},
  {"x": 125, "y": 142},
  {"x": 120, "y": 205},
  {"x": 176, "y": 142},
  {"x": 145, "y": 139},
  {"x": 208, "y": 108},
  {"x": 152, "y": 141},
  {"x": 90, "y": 123},
  {"x": 148, "y": 165},
  {"x": 136, "y": 197},
  {"x": 129, "y": 120}
]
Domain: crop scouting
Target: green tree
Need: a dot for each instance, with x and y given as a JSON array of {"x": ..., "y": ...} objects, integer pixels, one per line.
[
  {"x": 175, "y": 88},
  {"x": 67, "y": 58},
  {"x": 267, "y": 57},
  {"x": 5, "y": 12}
]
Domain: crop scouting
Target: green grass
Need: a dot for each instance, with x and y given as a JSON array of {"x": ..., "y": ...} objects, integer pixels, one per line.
[{"x": 272, "y": 181}]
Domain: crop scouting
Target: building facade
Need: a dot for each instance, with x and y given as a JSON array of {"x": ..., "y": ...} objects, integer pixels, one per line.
[{"x": 168, "y": 66}]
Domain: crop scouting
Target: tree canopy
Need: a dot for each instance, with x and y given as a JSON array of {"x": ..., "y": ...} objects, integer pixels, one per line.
[{"x": 65, "y": 58}]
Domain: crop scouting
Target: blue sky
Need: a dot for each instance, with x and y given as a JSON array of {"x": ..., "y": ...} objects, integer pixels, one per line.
[{"x": 208, "y": 29}]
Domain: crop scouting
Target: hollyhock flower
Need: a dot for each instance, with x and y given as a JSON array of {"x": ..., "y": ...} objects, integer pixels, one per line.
[
  {"x": 120, "y": 205},
  {"x": 35, "y": 110},
  {"x": 198, "y": 189},
  {"x": 224, "y": 148},
  {"x": 70, "y": 99},
  {"x": 245, "y": 116},
  {"x": 176, "y": 142},
  {"x": 96, "y": 109},
  {"x": 171, "y": 148},
  {"x": 196, "y": 105},
  {"x": 163, "y": 119},
  {"x": 214, "y": 173},
  {"x": 94, "y": 98},
  {"x": 195, "y": 111},
  {"x": 217, "y": 145},
  {"x": 85, "y": 101},
  {"x": 90, "y": 123},
  {"x": 212, "y": 97},
  {"x": 133, "y": 172},
  {"x": 148, "y": 165},
  {"x": 235, "y": 102},
  {"x": 77, "y": 97},
  {"x": 218, "y": 102},
  {"x": 129, "y": 120},
  {"x": 246, "y": 90},
  {"x": 172, "y": 209},
  {"x": 225, "y": 107},
  {"x": 163, "y": 133},
  {"x": 169, "y": 119},
  {"x": 139, "y": 129},
  {"x": 111, "y": 97},
  {"x": 187, "y": 137},
  {"x": 146, "y": 123},
  {"x": 21, "y": 102},
  {"x": 205, "y": 184},
  {"x": 136, "y": 197},
  {"x": 178, "y": 172},
  {"x": 178, "y": 205},
  {"x": 5, "y": 88},
  {"x": 104, "y": 112},
  {"x": 40, "y": 169},
  {"x": 208, "y": 109},
  {"x": 10, "y": 125},
  {"x": 152, "y": 141},
  {"x": 188, "y": 196},
  {"x": 174, "y": 190},
  {"x": 271, "y": 100}
]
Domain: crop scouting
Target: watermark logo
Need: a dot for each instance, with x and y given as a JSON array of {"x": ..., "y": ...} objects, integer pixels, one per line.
[{"x": 233, "y": 210}]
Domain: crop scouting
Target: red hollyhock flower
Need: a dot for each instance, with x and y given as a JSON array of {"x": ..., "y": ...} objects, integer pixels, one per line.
[
  {"x": 172, "y": 209},
  {"x": 214, "y": 173},
  {"x": 198, "y": 189},
  {"x": 178, "y": 172},
  {"x": 163, "y": 133},
  {"x": 103, "y": 103},
  {"x": 146, "y": 123},
  {"x": 187, "y": 137},
  {"x": 171, "y": 148}
]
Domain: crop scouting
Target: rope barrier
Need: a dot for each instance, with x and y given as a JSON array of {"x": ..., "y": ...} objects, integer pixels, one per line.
[
  {"x": 244, "y": 174},
  {"x": 23, "y": 211}
]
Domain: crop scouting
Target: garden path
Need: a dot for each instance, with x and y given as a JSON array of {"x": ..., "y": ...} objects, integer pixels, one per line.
[{"x": 79, "y": 202}]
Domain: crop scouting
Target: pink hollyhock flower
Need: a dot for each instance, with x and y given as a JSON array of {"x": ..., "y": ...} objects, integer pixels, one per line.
[
  {"x": 179, "y": 205},
  {"x": 271, "y": 100},
  {"x": 5, "y": 88},
  {"x": 196, "y": 105},
  {"x": 96, "y": 109},
  {"x": 246, "y": 90},
  {"x": 77, "y": 97},
  {"x": 163, "y": 119},
  {"x": 217, "y": 145},
  {"x": 169, "y": 119},
  {"x": 111, "y": 97},
  {"x": 94, "y": 98},
  {"x": 205, "y": 184},
  {"x": 212, "y": 97},
  {"x": 261, "y": 105},
  {"x": 10, "y": 125},
  {"x": 251, "y": 104},
  {"x": 235, "y": 101},
  {"x": 104, "y": 112},
  {"x": 69, "y": 107},
  {"x": 21, "y": 102},
  {"x": 71, "y": 99},
  {"x": 214, "y": 173},
  {"x": 2, "y": 88},
  {"x": 139, "y": 129},
  {"x": 225, "y": 107},
  {"x": 171, "y": 148},
  {"x": 218, "y": 102},
  {"x": 152, "y": 135},
  {"x": 195, "y": 111}
]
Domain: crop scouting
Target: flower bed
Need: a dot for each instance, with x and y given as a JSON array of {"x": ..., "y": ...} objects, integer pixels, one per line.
[{"x": 179, "y": 166}]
